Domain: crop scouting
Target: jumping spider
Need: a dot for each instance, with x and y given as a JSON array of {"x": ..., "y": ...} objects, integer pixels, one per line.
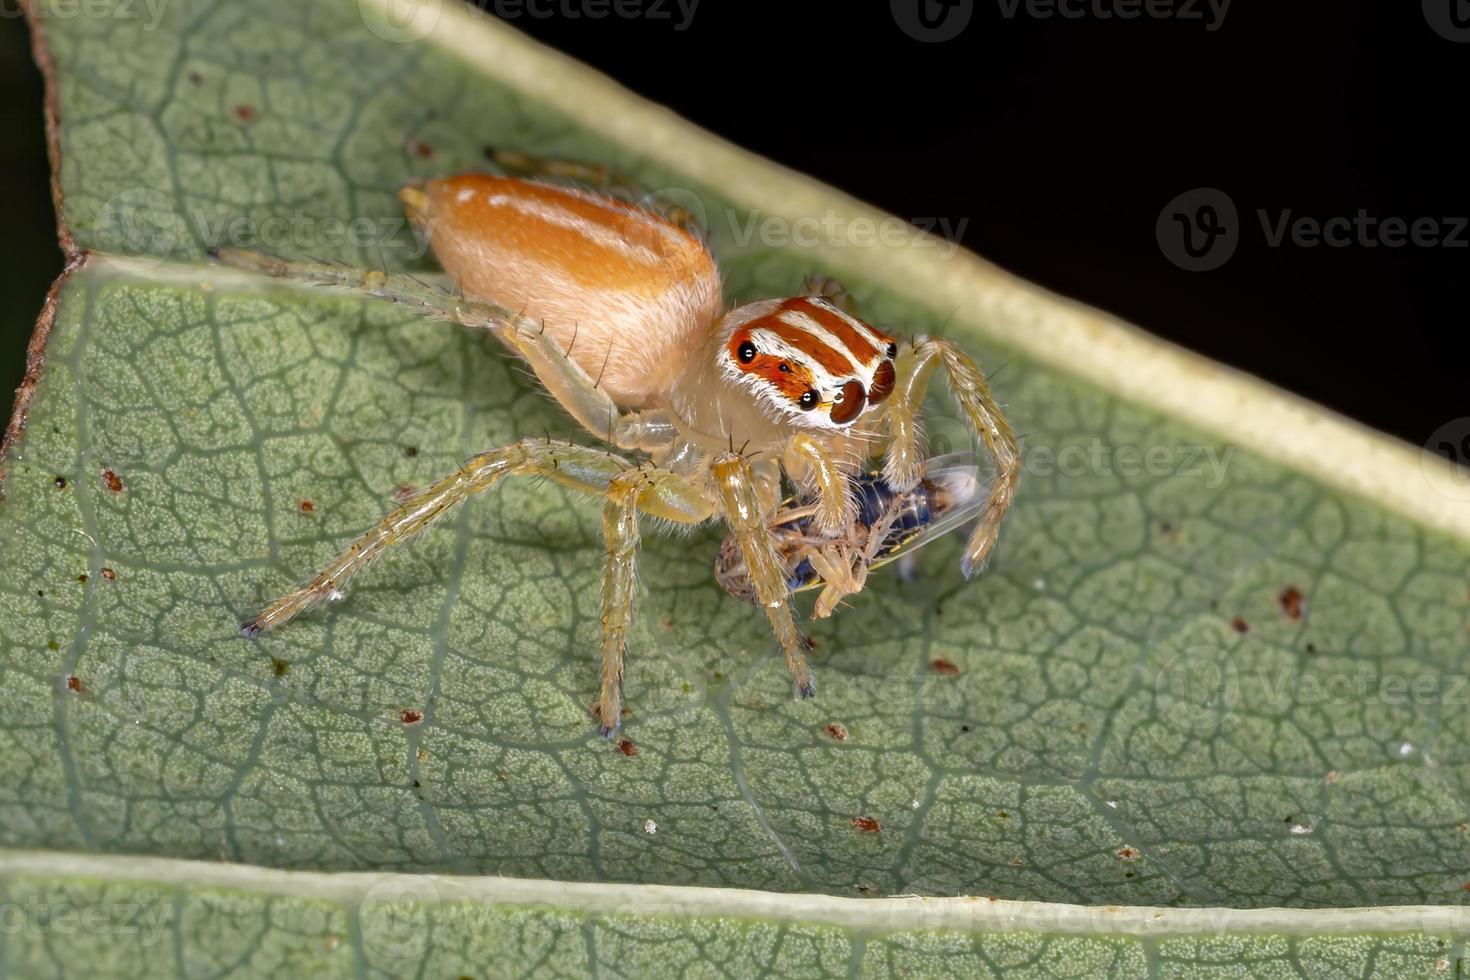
[{"x": 618, "y": 308}]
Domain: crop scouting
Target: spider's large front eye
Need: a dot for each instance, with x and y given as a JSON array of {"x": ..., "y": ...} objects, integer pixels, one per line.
[
  {"x": 850, "y": 405},
  {"x": 810, "y": 398},
  {"x": 892, "y": 351},
  {"x": 746, "y": 353}
]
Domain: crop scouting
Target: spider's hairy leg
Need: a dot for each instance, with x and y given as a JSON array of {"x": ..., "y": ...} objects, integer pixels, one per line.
[
  {"x": 808, "y": 460},
  {"x": 740, "y": 502},
  {"x": 578, "y": 467},
  {"x": 904, "y": 463},
  {"x": 597, "y": 176},
  {"x": 658, "y": 493},
  {"x": 563, "y": 378},
  {"x": 830, "y": 289}
]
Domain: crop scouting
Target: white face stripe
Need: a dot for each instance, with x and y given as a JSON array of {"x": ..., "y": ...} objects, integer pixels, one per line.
[
  {"x": 804, "y": 323},
  {"x": 878, "y": 342}
]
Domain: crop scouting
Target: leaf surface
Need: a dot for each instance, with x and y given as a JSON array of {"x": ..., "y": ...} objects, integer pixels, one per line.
[{"x": 1194, "y": 675}]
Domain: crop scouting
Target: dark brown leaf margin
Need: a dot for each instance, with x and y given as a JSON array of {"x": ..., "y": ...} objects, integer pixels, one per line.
[{"x": 75, "y": 258}]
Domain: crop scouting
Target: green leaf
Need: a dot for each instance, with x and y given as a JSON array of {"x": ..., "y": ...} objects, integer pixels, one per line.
[{"x": 1130, "y": 708}]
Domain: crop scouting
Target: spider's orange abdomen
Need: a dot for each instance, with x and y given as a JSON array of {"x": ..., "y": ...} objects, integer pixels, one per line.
[{"x": 636, "y": 291}]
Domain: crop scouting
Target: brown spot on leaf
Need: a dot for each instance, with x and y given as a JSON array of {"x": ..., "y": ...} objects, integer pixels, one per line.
[
  {"x": 1291, "y": 603},
  {"x": 867, "y": 825},
  {"x": 410, "y": 451},
  {"x": 82, "y": 577},
  {"x": 420, "y": 149},
  {"x": 109, "y": 574},
  {"x": 1129, "y": 853},
  {"x": 1240, "y": 625},
  {"x": 60, "y": 482},
  {"x": 944, "y": 666},
  {"x": 279, "y": 667},
  {"x": 411, "y": 716},
  {"x": 626, "y": 746},
  {"x": 306, "y": 506},
  {"x": 112, "y": 481},
  {"x": 243, "y": 112},
  {"x": 837, "y": 730},
  {"x": 403, "y": 492},
  {"x": 74, "y": 684},
  {"x": 667, "y": 623}
]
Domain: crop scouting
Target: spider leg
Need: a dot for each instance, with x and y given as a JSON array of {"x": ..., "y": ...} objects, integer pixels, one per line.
[
  {"x": 740, "y": 501},
  {"x": 597, "y": 177},
  {"x": 904, "y": 463},
  {"x": 579, "y": 467},
  {"x": 563, "y": 378},
  {"x": 634, "y": 491},
  {"x": 628, "y": 491},
  {"x": 810, "y": 463},
  {"x": 829, "y": 289}
]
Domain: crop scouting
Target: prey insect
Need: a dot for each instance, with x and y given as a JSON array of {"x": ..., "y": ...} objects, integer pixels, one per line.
[
  {"x": 618, "y": 309},
  {"x": 887, "y": 526}
]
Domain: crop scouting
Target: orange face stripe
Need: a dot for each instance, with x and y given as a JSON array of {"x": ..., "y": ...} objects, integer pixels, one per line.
[
  {"x": 793, "y": 384},
  {"x": 860, "y": 346}
]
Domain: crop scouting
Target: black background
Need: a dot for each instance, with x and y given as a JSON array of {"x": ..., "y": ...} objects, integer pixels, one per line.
[{"x": 1059, "y": 141}]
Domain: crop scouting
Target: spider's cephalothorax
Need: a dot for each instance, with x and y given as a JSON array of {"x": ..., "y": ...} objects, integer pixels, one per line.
[{"x": 618, "y": 310}]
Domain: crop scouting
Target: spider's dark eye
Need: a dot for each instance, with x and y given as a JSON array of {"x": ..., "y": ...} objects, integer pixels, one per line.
[
  {"x": 810, "y": 398},
  {"x": 892, "y": 351},
  {"x": 746, "y": 353}
]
